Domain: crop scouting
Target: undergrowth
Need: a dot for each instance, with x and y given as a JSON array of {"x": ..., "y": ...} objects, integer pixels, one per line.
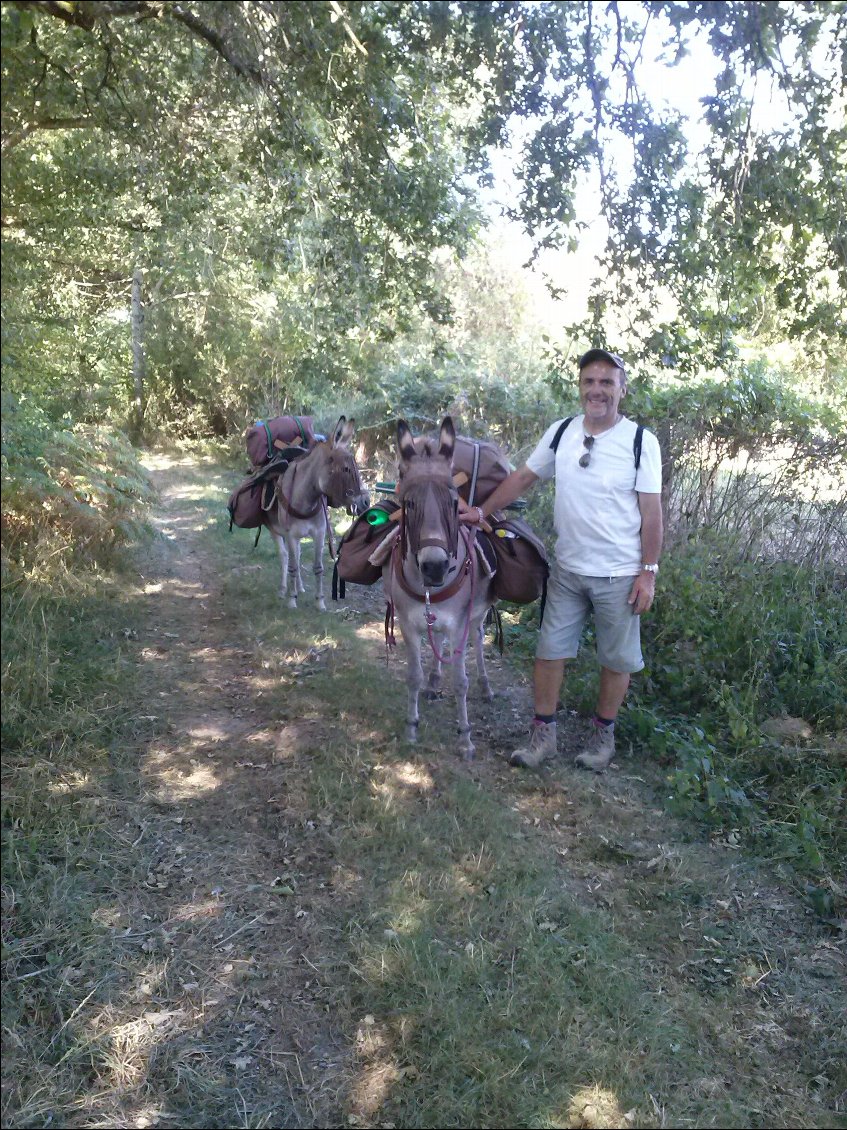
[
  {"x": 474, "y": 962},
  {"x": 72, "y": 496},
  {"x": 71, "y": 500},
  {"x": 729, "y": 644}
]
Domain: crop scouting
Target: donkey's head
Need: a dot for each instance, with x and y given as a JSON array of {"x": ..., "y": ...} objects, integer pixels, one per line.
[
  {"x": 338, "y": 475},
  {"x": 430, "y": 500}
]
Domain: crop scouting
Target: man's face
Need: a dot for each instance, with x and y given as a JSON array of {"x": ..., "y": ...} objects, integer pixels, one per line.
[{"x": 601, "y": 389}]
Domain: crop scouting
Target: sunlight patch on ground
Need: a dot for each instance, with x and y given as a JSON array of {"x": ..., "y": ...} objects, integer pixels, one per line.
[
  {"x": 379, "y": 1072},
  {"x": 210, "y": 731},
  {"x": 181, "y": 784},
  {"x": 191, "y": 911},
  {"x": 70, "y": 782},
  {"x": 150, "y": 1115},
  {"x": 159, "y": 461},
  {"x": 595, "y": 1108},
  {"x": 372, "y": 631},
  {"x": 175, "y": 585},
  {"x": 403, "y": 778}
]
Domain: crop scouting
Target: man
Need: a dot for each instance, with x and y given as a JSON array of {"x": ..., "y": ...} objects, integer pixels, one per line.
[{"x": 608, "y": 522}]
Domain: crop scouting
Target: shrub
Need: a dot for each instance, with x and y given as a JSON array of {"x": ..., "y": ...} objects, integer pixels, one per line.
[{"x": 71, "y": 494}]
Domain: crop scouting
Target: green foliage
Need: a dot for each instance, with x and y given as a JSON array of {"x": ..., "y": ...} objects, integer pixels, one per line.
[
  {"x": 291, "y": 178},
  {"x": 730, "y": 644},
  {"x": 757, "y": 410},
  {"x": 776, "y": 632},
  {"x": 284, "y": 214},
  {"x": 71, "y": 495}
]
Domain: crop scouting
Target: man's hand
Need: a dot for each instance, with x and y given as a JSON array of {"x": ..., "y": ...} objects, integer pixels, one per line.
[
  {"x": 472, "y": 515},
  {"x": 642, "y": 594}
]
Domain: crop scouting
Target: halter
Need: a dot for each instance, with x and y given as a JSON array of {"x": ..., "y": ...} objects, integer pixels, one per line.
[
  {"x": 427, "y": 598},
  {"x": 425, "y": 489},
  {"x": 336, "y": 489}
]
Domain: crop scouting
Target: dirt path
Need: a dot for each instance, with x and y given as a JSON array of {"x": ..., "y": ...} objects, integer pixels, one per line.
[{"x": 233, "y": 923}]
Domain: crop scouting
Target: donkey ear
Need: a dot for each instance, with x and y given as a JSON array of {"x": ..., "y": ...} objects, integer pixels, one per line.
[
  {"x": 343, "y": 432},
  {"x": 447, "y": 439},
  {"x": 405, "y": 442}
]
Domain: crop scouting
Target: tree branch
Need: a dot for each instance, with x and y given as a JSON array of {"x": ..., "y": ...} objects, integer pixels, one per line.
[
  {"x": 246, "y": 70},
  {"x": 19, "y": 135},
  {"x": 86, "y": 15}
]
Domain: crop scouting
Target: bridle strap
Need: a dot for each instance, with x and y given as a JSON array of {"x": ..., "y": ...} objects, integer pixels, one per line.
[
  {"x": 430, "y": 617},
  {"x": 442, "y": 594},
  {"x": 328, "y": 528}
]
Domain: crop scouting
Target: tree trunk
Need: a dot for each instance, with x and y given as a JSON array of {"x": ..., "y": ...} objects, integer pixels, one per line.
[{"x": 138, "y": 366}]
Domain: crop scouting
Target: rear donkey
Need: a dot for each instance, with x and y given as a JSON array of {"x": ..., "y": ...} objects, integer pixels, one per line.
[{"x": 327, "y": 476}]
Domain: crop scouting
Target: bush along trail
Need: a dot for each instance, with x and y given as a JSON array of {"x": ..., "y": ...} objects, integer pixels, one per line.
[{"x": 264, "y": 909}]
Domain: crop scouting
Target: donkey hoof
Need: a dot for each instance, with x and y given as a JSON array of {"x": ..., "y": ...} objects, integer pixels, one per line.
[
  {"x": 431, "y": 695},
  {"x": 469, "y": 754},
  {"x": 292, "y": 603},
  {"x": 321, "y": 606}
]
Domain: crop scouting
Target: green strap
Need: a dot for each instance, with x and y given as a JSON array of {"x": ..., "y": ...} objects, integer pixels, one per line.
[
  {"x": 270, "y": 440},
  {"x": 303, "y": 435}
]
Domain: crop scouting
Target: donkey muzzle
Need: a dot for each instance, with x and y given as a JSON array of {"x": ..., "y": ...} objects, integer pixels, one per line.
[
  {"x": 433, "y": 558},
  {"x": 358, "y": 504}
]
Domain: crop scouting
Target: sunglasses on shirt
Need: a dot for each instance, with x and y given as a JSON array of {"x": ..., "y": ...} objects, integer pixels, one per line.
[{"x": 585, "y": 458}]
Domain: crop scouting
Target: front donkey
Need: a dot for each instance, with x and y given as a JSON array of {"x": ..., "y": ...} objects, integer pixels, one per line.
[
  {"x": 327, "y": 476},
  {"x": 434, "y": 580}
]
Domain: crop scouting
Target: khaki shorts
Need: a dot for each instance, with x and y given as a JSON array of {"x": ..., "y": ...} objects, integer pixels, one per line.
[{"x": 570, "y": 598}]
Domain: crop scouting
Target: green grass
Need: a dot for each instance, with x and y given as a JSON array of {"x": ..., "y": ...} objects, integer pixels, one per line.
[{"x": 494, "y": 949}]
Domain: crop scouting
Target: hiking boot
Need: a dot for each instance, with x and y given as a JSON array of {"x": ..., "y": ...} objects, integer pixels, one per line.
[
  {"x": 599, "y": 749},
  {"x": 541, "y": 744}
]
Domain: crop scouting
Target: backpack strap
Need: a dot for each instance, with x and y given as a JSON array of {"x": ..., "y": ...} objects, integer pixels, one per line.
[
  {"x": 554, "y": 442},
  {"x": 339, "y": 587},
  {"x": 474, "y": 474},
  {"x": 270, "y": 439},
  {"x": 636, "y": 445}
]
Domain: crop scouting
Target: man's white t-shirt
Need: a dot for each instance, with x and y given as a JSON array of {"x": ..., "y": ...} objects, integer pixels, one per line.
[{"x": 595, "y": 514}]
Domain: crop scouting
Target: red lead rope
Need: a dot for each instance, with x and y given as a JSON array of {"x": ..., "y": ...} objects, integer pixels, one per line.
[{"x": 430, "y": 616}]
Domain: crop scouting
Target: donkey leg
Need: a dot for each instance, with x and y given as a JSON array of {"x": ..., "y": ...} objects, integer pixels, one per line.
[
  {"x": 434, "y": 683},
  {"x": 482, "y": 674},
  {"x": 283, "y": 560},
  {"x": 414, "y": 682},
  {"x": 318, "y": 540},
  {"x": 293, "y": 571},
  {"x": 460, "y": 686}
]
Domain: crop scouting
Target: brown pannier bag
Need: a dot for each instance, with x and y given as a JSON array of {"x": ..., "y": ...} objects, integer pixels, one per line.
[
  {"x": 351, "y": 561},
  {"x": 482, "y": 462},
  {"x": 520, "y": 555},
  {"x": 520, "y": 559},
  {"x": 262, "y": 439},
  {"x": 255, "y": 494},
  {"x": 516, "y": 552}
]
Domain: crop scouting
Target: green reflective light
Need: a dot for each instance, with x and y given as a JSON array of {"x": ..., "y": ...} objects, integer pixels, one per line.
[{"x": 376, "y": 517}]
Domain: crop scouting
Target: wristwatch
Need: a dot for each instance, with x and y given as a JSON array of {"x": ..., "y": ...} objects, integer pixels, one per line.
[{"x": 650, "y": 569}]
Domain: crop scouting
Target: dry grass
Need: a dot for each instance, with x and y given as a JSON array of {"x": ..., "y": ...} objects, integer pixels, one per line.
[{"x": 232, "y": 897}]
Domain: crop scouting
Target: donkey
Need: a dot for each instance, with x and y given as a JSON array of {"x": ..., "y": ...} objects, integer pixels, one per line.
[
  {"x": 328, "y": 475},
  {"x": 434, "y": 579}
]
